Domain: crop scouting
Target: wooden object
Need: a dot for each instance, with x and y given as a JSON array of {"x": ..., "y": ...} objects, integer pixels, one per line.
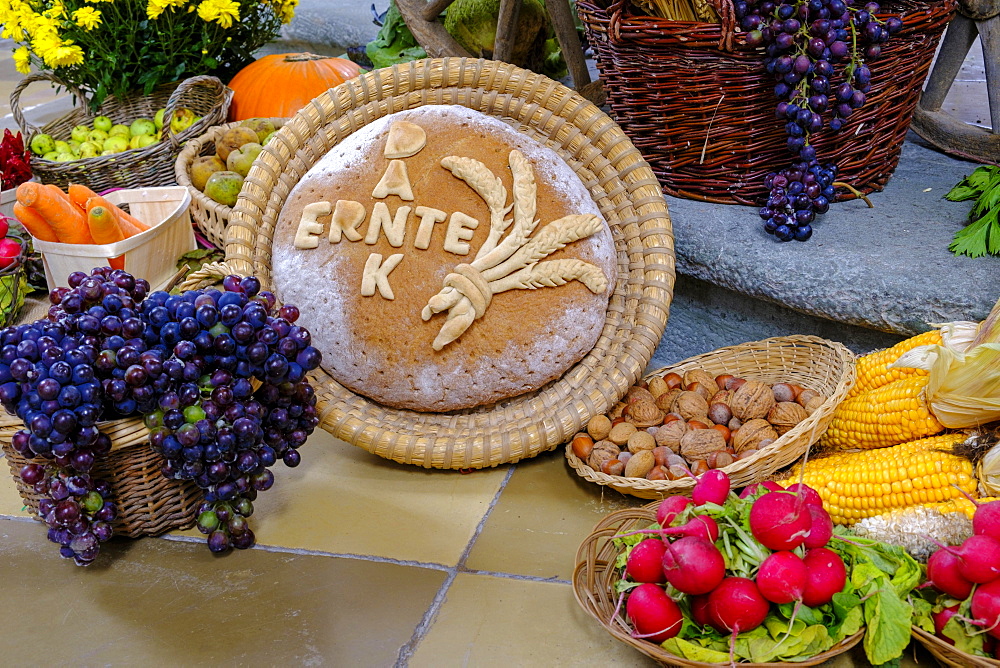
[{"x": 975, "y": 17}]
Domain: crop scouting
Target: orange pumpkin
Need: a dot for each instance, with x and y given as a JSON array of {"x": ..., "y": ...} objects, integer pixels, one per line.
[{"x": 280, "y": 84}]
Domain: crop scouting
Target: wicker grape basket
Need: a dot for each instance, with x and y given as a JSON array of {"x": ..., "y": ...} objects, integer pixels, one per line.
[
  {"x": 594, "y": 578},
  {"x": 621, "y": 184},
  {"x": 210, "y": 216},
  {"x": 949, "y": 655},
  {"x": 11, "y": 291},
  {"x": 148, "y": 503},
  {"x": 146, "y": 167},
  {"x": 698, "y": 104},
  {"x": 808, "y": 361}
]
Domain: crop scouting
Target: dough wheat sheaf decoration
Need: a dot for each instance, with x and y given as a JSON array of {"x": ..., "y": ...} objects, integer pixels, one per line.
[{"x": 513, "y": 262}]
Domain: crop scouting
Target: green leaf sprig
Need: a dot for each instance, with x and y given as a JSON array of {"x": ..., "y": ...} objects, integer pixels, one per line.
[{"x": 982, "y": 235}]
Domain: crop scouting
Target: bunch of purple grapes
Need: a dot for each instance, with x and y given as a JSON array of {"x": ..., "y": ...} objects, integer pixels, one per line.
[
  {"x": 211, "y": 425},
  {"x": 804, "y": 41}
]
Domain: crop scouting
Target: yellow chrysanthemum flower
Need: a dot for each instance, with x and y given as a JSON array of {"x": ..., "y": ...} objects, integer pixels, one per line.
[
  {"x": 155, "y": 8},
  {"x": 22, "y": 60},
  {"x": 64, "y": 56},
  {"x": 223, "y": 12},
  {"x": 285, "y": 9},
  {"x": 87, "y": 18}
]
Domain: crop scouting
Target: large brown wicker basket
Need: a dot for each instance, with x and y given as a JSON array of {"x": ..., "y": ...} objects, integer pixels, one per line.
[
  {"x": 210, "y": 216},
  {"x": 594, "y": 578},
  {"x": 949, "y": 655},
  {"x": 698, "y": 104},
  {"x": 808, "y": 361},
  {"x": 148, "y": 503},
  {"x": 146, "y": 167},
  {"x": 620, "y": 183}
]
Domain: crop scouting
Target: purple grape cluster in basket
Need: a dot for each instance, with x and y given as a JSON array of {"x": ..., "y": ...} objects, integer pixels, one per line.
[
  {"x": 816, "y": 51},
  {"x": 218, "y": 374}
]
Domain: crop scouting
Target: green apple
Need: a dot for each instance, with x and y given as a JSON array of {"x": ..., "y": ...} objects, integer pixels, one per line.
[
  {"x": 97, "y": 135},
  {"x": 42, "y": 144},
  {"x": 182, "y": 120},
  {"x": 120, "y": 130},
  {"x": 65, "y": 157},
  {"x": 142, "y": 126},
  {"x": 268, "y": 137},
  {"x": 74, "y": 146},
  {"x": 108, "y": 151},
  {"x": 148, "y": 140},
  {"x": 102, "y": 123},
  {"x": 62, "y": 146},
  {"x": 79, "y": 133},
  {"x": 116, "y": 144},
  {"x": 224, "y": 187},
  {"x": 158, "y": 118},
  {"x": 51, "y": 155},
  {"x": 89, "y": 149},
  {"x": 239, "y": 160}
]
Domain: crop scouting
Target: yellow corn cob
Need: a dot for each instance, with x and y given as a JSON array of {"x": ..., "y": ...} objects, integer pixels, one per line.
[
  {"x": 961, "y": 505},
  {"x": 856, "y": 485},
  {"x": 872, "y": 369},
  {"x": 885, "y": 416}
]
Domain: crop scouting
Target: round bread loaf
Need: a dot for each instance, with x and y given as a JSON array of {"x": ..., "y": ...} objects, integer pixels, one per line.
[{"x": 405, "y": 303}]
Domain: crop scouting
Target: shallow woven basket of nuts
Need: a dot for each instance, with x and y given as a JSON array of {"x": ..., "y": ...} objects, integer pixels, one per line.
[{"x": 748, "y": 410}]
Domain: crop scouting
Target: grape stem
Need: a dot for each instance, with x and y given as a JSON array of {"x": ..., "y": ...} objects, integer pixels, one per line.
[{"x": 857, "y": 193}]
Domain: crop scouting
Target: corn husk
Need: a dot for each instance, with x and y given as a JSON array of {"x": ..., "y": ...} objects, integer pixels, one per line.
[
  {"x": 963, "y": 389},
  {"x": 679, "y": 10}
]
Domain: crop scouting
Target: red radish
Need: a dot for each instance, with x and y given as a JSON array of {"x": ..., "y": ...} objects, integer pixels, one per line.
[
  {"x": 780, "y": 521},
  {"x": 699, "y": 610},
  {"x": 645, "y": 561},
  {"x": 822, "y": 527},
  {"x": 986, "y": 520},
  {"x": 753, "y": 488},
  {"x": 826, "y": 576},
  {"x": 712, "y": 487},
  {"x": 693, "y": 565},
  {"x": 809, "y": 495},
  {"x": 986, "y": 607},
  {"x": 940, "y": 619},
  {"x": 943, "y": 573},
  {"x": 701, "y": 526},
  {"x": 978, "y": 556},
  {"x": 782, "y": 577},
  {"x": 654, "y": 614},
  {"x": 9, "y": 249},
  {"x": 737, "y": 606},
  {"x": 670, "y": 508},
  {"x": 4, "y": 226}
]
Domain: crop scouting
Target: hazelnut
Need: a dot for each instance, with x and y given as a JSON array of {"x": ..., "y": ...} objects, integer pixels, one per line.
[
  {"x": 613, "y": 467},
  {"x": 621, "y": 432},
  {"x": 676, "y": 460},
  {"x": 640, "y": 464},
  {"x": 666, "y": 400},
  {"x": 705, "y": 391},
  {"x": 624, "y": 456},
  {"x": 698, "y": 443},
  {"x": 734, "y": 424},
  {"x": 689, "y": 405},
  {"x": 670, "y": 417},
  {"x": 752, "y": 433},
  {"x": 721, "y": 397},
  {"x": 814, "y": 404},
  {"x": 785, "y": 415},
  {"x": 677, "y": 472},
  {"x": 599, "y": 427},
  {"x": 616, "y": 411},
  {"x": 752, "y": 400},
  {"x": 583, "y": 444},
  {"x": 783, "y": 392},
  {"x": 701, "y": 377},
  {"x": 598, "y": 457},
  {"x": 719, "y": 413},
  {"x": 723, "y": 379},
  {"x": 617, "y": 420},
  {"x": 641, "y": 440},
  {"x": 724, "y": 430},
  {"x": 644, "y": 414},
  {"x": 698, "y": 467},
  {"x": 670, "y": 433},
  {"x": 657, "y": 473},
  {"x": 673, "y": 380},
  {"x": 735, "y": 383},
  {"x": 722, "y": 460},
  {"x": 749, "y": 452},
  {"x": 661, "y": 453},
  {"x": 657, "y": 386},
  {"x": 697, "y": 424},
  {"x": 805, "y": 396}
]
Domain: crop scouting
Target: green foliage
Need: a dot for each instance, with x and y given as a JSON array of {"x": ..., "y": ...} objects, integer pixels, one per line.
[
  {"x": 394, "y": 42},
  {"x": 982, "y": 235}
]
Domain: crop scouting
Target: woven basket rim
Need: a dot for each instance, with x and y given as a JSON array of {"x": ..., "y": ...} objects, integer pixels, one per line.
[
  {"x": 788, "y": 447},
  {"x": 583, "y": 579},
  {"x": 949, "y": 654},
  {"x": 521, "y": 426}
]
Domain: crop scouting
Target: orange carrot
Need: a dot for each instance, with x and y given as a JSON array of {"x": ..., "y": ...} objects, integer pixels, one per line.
[
  {"x": 129, "y": 225},
  {"x": 79, "y": 194},
  {"x": 52, "y": 204},
  {"x": 104, "y": 228},
  {"x": 37, "y": 226}
]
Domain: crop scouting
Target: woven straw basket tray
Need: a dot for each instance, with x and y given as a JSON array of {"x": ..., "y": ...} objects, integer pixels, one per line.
[
  {"x": 808, "y": 361},
  {"x": 594, "y": 579},
  {"x": 621, "y": 184},
  {"x": 148, "y": 504},
  {"x": 949, "y": 655},
  {"x": 210, "y": 216}
]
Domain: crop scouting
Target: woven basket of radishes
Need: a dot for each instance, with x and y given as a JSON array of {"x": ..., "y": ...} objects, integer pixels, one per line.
[{"x": 759, "y": 579}]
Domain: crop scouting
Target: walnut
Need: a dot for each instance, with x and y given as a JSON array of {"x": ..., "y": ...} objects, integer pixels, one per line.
[
  {"x": 616, "y": 411},
  {"x": 690, "y": 405},
  {"x": 721, "y": 397},
  {"x": 700, "y": 376},
  {"x": 697, "y": 443},
  {"x": 603, "y": 451},
  {"x": 599, "y": 427},
  {"x": 785, "y": 415},
  {"x": 640, "y": 464},
  {"x": 641, "y": 440},
  {"x": 669, "y": 435},
  {"x": 753, "y": 400},
  {"x": 666, "y": 400},
  {"x": 657, "y": 386},
  {"x": 644, "y": 414},
  {"x": 635, "y": 393},
  {"x": 620, "y": 433},
  {"x": 750, "y": 435},
  {"x": 705, "y": 391}
]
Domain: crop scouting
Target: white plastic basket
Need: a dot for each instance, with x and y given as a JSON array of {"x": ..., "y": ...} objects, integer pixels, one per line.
[{"x": 151, "y": 255}]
